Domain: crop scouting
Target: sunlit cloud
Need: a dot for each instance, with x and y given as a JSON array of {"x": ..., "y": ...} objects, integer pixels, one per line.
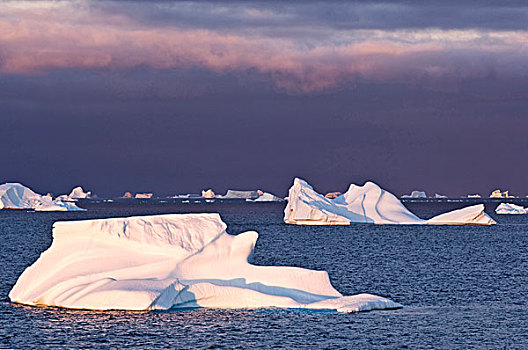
[{"x": 38, "y": 37}]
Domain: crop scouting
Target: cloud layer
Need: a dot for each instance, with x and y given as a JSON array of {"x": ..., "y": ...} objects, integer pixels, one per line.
[{"x": 314, "y": 55}]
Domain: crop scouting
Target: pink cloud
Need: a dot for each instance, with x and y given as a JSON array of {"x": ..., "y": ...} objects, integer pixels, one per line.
[{"x": 33, "y": 41}]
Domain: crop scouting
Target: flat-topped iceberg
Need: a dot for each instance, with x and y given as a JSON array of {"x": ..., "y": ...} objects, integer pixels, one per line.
[
  {"x": 18, "y": 196},
  {"x": 366, "y": 204},
  {"x": 170, "y": 261},
  {"x": 235, "y": 194},
  {"x": 509, "y": 208}
]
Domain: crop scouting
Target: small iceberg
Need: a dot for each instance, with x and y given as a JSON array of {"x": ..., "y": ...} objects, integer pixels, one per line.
[
  {"x": 145, "y": 195},
  {"x": 75, "y": 194},
  {"x": 170, "y": 261},
  {"x": 509, "y": 208},
  {"x": 235, "y": 194},
  {"x": 208, "y": 193},
  {"x": 366, "y": 204},
  {"x": 266, "y": 197},
  {"x": 18, "y": 196},
  {"x": 415, "y": 194},
  {"x": 500, "y": 194},
  {"x": 58, "y": 206}
]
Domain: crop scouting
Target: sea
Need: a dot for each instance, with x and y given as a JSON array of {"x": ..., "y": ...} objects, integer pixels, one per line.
[{"x": 462, "y": 287}]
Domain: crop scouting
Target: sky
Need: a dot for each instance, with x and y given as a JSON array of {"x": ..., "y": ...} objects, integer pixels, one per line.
[{"x": 176, "y": 97}]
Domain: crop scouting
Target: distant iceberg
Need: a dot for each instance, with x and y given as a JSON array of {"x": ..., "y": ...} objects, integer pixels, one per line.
[
  {"x": 145, "y": 195},
  {"x": 208, "y": 194},
  {"x": 76, "y": 193},
  {"x": 332, "y": 195},
  {"x": 58, "y": 206},
  {"x": 235, "y": 194},
  {"x": 509, "y": 208},
  {"x": 500, "y": 194},
  {"x": 170, "y": 261},
  {"x": 366, "y": 204},
  {"x": 415, "y": 194},
  {"x": 18, "y": 196},
  {"x": 439, "y": 196},
  {"x": 266, "y": 197}
]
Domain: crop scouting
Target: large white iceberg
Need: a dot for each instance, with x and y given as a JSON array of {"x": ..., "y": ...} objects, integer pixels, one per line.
[
  {"x": 170, "y": 261},
  {"x": 366, "y": 204},
  {"x": 509, "y": 208},
  {"x": 18, "y": 196}
]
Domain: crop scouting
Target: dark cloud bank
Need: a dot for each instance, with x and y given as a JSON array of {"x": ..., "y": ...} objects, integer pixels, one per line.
[{"x": 110, "y": 138}]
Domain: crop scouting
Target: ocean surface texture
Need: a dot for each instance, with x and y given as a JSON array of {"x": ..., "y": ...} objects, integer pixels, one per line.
[{"x": 462, "y": 286}]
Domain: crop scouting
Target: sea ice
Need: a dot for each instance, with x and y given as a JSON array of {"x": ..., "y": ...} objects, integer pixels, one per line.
[
  {"x": 509, "y": 208},
  {"x": 366, "y": 204},
  {"x": 170, "y": 261}
]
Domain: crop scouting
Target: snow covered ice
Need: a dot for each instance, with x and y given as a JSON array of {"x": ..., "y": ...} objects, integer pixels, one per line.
[
  {"x": 366, "y": 204},
  {"x": 18, "y": 196},
  {"x": 509, "y": 208},
  {"x": 170, "y": 261}
]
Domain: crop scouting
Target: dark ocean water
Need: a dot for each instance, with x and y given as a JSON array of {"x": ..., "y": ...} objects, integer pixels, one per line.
[{"x": 462, "y": 287}]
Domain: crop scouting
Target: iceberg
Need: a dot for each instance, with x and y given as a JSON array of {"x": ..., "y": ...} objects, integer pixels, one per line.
[
  {"x": 266, "y": 197},
  {"x": 18, "y": 196},
  {"x": 234, "y": 194},
  {"x": 366, "y": 204},
  {"x": 170, "y": 261},
  {"x": 143, "y": 195},
  {"x": 208, "y": 194},
  {"x": 509, "y": 208},
  {"x": 415, "y": 194},
  {"x": 76, "y": 193},
  {"x": 438, "y": 196},
  {"x": 500, "y": 194},
  {"x": 58, "y": 206}
]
